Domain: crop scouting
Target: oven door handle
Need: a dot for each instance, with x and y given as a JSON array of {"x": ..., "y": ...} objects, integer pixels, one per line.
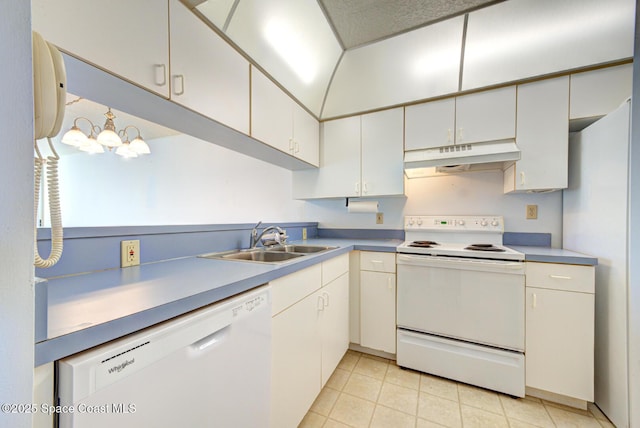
[{"x": 460, "y": 263}]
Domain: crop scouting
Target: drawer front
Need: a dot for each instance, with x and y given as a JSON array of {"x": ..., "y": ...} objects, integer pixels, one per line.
[
  {"x": 557, "y": 276},
  {"x": 335, "y": 267},
  {"x": 292, "y": 288},
  {"x": 378, "y": 262}
]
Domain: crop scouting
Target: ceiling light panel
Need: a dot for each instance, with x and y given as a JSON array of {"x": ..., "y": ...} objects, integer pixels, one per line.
[
  {"x": 292, "y": 41},
  {"x": 518, "y": 39},
  {"x": 412, "y": 66}
]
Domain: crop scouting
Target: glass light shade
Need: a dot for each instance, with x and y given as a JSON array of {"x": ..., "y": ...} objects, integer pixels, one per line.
[
  {"x": 93, "y": 146},
  {"x": 74, "y": 137},
  {"x": 125, "y": 151},
  {"x": 109, "y": 138},
  {"x": 139, "y": 146}
]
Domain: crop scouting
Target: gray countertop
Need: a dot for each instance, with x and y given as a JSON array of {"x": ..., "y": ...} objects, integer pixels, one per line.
[{"x": 89, "y": 309}]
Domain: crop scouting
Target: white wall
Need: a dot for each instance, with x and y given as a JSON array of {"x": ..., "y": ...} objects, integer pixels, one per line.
[
  {"x": 16, "y": 211},
  {"x": 183, "y": 181},
  {"x": 472, "y": 193}
]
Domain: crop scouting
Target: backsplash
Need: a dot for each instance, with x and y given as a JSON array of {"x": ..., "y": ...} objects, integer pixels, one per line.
[{"x": 97, "y": 248}]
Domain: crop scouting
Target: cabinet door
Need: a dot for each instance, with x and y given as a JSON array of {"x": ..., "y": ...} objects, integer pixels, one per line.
[
  {"x": 339, "y": 172},
  {"x": 382, "y": 153},
  {"x": 306, "y": 136},
  {"x": 334, "y": 324},
  {"x": 599, "y": 92},
  {"x": 271, "y": 113},
  {"x": 486, "y": 116},
  {"x": 207, "y": 74},
  {"x": 378, "y": 311},
  {"x": 129, "y": 39},
  {"x": 296, "y": 361},
  {"x": 542, "y": 136},
  {"x": 559, "y": 342},
  {"x": 430, "y": 124}
]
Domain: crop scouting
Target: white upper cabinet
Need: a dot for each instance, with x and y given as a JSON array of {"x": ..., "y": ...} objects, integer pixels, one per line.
[
  {"x": 599, "y": 92},
  {"x": 482, "y": 116},
  {"x": 129, "y": 39},
  {"x": 306, "y": 136},
  {"x": 543, "y": 137},
  {"x": 430, "y": 124},
  {"x": 516, "y": 40},
  {"x": 382, "y": 156},
  {"x": 339, "y": 172},
  {"x": 359, "y": 156},
  {"x": 486, "y": 116},
  {"x": 207, "y": 74},
  {"x": 271, "y": 112},
  {"x": 279, "y": 121}
]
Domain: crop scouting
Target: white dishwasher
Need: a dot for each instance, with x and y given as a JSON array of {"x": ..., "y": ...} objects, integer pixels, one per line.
[{"x": 209, "y": 368}]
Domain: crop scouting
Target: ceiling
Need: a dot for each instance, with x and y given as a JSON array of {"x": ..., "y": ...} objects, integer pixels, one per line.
[{"x": 359, "y": 22}]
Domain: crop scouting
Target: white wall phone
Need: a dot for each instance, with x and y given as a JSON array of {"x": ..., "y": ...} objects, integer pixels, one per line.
[{"x": 49, "y": 91}]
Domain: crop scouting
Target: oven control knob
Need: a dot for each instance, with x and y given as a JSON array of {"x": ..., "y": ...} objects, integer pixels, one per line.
[
  {"x": 461, "y": 222},
  {"x": 494, "y": 223},
  {"x": 483, "y": 223},
  {"x": 419, "y": 222},
  {"x": 410, "y": 222}
]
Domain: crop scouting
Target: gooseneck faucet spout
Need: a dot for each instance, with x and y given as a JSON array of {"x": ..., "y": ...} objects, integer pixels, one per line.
[{"x": 279, "y": 238}]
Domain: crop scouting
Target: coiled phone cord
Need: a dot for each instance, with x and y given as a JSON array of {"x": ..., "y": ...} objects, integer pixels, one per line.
[{"x": 51, "y": 163}]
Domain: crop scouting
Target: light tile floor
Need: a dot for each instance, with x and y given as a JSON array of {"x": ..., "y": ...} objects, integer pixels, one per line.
[{"x": 367, "y": 391}]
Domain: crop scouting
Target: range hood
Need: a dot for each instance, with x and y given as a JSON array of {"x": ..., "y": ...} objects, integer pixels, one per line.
[{"x": 455, "y": 156}]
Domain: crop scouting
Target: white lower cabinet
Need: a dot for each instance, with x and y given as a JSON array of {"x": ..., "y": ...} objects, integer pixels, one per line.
[
  {"x": 310, "y": 335},
  {"x": 334, "y": 324},
  {"x": 560, "y": 330},
  {"x": 378, "y": 301}
]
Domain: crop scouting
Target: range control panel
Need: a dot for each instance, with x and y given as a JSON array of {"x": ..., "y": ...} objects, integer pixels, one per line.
[{"x": 455, "y": 223}]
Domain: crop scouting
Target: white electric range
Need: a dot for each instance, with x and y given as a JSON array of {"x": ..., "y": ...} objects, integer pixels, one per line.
[{"x": 460, "y": 302}]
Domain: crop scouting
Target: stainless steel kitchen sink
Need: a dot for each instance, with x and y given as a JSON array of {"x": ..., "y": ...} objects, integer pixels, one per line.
[
  {"x": 305, "y": 249},
  {"x": 278, "y": 254}
]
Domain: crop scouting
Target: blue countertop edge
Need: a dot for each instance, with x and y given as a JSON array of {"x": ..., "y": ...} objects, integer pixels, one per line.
[
  {"x": 58, "y": 347},
  {"x": 554, "y": 255}
]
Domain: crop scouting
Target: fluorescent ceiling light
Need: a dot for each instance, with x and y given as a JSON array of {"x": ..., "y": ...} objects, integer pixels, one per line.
[{"x": 289, "y": 45}]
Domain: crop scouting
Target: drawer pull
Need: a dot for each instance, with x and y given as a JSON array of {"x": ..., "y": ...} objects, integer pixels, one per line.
[
  {"x": 559, "y": 277},
  {"x": 320, "y": 303},
  {"x": 535, "y": 301},
  {"x": 325, "y": 297}
]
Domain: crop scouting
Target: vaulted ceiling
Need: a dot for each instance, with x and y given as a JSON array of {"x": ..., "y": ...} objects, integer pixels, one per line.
[{"x": 343, "y": 57}]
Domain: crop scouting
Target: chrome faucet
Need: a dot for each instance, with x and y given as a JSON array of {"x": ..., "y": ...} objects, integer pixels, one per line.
[{"x": 281, "y": 237}]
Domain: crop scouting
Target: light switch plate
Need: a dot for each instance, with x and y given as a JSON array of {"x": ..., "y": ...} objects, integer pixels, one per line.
[
  {"x": 379, "y": 218},
  {"x": 532, "y": 212}
]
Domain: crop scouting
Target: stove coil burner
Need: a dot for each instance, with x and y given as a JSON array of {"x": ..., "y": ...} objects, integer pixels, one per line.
[
  {"x": 485, "y": 247},
  {"x": 423, "y": 244}
]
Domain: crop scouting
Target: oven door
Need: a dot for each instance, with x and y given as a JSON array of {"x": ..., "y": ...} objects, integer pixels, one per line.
[{"x": 475, "y": 300}]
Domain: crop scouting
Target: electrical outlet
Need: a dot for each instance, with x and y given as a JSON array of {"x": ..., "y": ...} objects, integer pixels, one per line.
[
  {"x": 379, "y": 218},
  {"x": 532, "y": 212},
  {"x": 129, "y": 253},
  {"x": 304, "y": 233}
]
